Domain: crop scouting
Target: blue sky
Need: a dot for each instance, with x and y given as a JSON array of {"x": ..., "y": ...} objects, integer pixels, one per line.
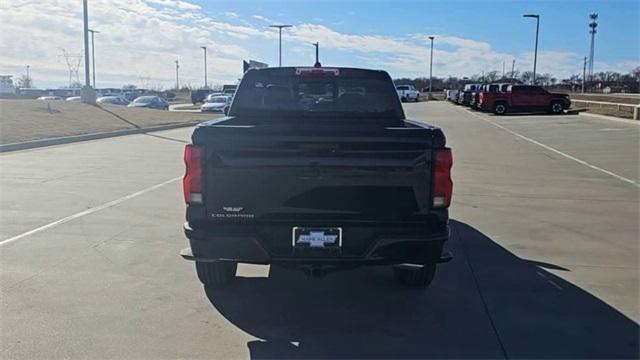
[{"x": 140, "y": 39}]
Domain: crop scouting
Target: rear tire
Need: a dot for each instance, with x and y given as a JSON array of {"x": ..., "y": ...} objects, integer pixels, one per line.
[
  {"x": 500, "y": 108},
  {"x": 216, "y": 273},
  {"x": 415, "y": 277}
]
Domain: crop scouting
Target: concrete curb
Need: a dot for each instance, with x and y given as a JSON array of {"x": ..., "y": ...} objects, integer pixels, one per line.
[
  {"x": 611, "y": 118},
  {"x": 85, "y": 137}
]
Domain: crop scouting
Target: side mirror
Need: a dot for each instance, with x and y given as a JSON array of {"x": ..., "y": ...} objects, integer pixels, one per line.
[{"x": 226, "y": 110}]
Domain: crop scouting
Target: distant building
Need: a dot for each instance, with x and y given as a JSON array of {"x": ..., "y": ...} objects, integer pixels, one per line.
[{"x": 6, "y": 85}]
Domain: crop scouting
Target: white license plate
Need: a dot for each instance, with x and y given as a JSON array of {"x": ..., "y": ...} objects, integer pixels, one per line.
[{"x": 303, "y": 237}]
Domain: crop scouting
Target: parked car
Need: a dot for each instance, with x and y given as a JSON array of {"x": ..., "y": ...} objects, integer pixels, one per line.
[
  {"x": 216, "y": 104},
  {"x": 55, "y": 98},
  {"x": 282, "y": 180},
  {"x": 198, "y": 96},
  {"x": 407, "y": 93},
  {"x": 152, "y": 102},
  {"x": 475, "y": 95},
  {"x": 212, "y": 95},
  {"x": 484, "y": 89},
  {"x": 524, "y": 98},
  {"x": 452, "y": 95},
  {"x": 464, "y": 98},
  {"x": 115, "y": 100},
  {"x": 74, "y": 98}
]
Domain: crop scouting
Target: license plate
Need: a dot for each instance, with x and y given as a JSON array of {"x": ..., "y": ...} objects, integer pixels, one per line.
[{"x": 303, "y": 237}]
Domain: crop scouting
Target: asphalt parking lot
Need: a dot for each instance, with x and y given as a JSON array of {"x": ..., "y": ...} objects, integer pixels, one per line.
[{"x": 544, "y": 233}]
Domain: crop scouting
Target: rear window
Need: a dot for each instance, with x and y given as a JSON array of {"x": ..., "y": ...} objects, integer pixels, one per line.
[
  {"x": 402, "y": 87},
  {"x": 284, "y": 93}
]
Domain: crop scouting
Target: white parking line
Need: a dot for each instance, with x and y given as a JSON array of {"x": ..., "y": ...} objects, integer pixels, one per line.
[
  {"x": 87, "y": 212},
  {"x": 619, "y": 177}
]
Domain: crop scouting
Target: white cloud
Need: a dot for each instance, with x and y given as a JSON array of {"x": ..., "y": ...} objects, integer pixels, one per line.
[
  {"x": 260, "y": 17},
  {"x": 142, "y": 38}
]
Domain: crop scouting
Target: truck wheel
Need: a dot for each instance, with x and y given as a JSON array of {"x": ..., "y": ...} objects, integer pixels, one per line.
[
  {"x": 500, "y": 109},
  {"x": 556, "y": 107},
  {"x": 403, "y": 99},
  {"x": 415, "y": 277},
  {"x": 216, "y": 273}
]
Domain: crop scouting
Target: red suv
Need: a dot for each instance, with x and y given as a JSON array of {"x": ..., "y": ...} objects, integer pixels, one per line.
[{"x": 524, "y": 98}]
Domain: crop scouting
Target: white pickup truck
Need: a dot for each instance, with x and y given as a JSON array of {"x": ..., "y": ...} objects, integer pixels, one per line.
[{"x": 407, "y": 93}]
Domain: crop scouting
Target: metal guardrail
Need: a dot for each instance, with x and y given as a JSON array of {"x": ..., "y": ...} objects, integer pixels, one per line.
[{"x": 633, "y": 108}]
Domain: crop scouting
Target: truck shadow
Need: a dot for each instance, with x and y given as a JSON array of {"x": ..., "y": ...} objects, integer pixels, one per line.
[{"x": 486, "y": 303}]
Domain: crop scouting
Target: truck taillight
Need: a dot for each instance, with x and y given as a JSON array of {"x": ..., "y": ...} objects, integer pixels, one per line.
[
  {"x": 443, "y": 186},
  {"x": 481, "y": 97},
  {"x": 192, "y": 181}
]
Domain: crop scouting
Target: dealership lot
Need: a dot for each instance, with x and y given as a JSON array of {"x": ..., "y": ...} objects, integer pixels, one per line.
[{"x": 544, "y": 233}]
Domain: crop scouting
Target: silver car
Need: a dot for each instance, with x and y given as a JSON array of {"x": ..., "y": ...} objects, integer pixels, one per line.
[{"x": 216, "y": 104}]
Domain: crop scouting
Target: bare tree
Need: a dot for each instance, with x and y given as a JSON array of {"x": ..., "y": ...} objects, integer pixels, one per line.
[
  {"x": 526, "y": 76},
  {"x": 491, "y": 76}
]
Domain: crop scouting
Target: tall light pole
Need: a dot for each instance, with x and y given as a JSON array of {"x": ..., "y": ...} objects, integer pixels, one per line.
[
  {"x": 584, "y": 73},
  {"x": 430, "y": 68},
  {"x": 93, "y": 56},
  {"x": 28, "y": 78},
  {"x": 513, "y": 69},
  {"x": 317, "y": 45},
  {"x": 204, "y": 48},
  {"x": 280, "y": 27},
  {"x": 535, "y": 54},
  {"x": 177, "y": 83},
  {"x": 593, "y": 24},
  {"x": 88, "y": 94}
]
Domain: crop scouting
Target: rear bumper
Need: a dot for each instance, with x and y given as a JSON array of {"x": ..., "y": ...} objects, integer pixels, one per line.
[{"x": 245, "y": 247}]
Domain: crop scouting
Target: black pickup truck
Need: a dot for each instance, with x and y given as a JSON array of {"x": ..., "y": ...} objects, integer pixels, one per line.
[{"x": 317, "y": 169}]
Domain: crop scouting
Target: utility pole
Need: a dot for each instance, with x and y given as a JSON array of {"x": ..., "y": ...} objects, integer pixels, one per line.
[
  {"x": 430, "y": 97},
  {"x": 177, "y": 82},
  {"x": 280, "y": 27},
  {"x": 317, "y": 45},
  {"x": 204, "y": 48},
  {"x": 88, "y": 94},
  {"x": 535, "y": 54},
  {"x": 513, "y": 69},
  {"x": 28, "y": 78},
  {"x": 593, "y": 24},
  {"x": 584, "y": 73},
  {"x": 503, "y": 69},
  {"x": 93, "y": 56}
]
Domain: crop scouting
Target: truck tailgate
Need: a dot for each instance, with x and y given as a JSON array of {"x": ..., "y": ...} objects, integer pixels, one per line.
[{"x": 270, "y": 173}]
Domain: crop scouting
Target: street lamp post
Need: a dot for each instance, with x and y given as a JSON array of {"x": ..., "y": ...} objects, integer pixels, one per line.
[
  {"x": 280, "y": 27},
  {"x": 430, "y": 97},
  {"x": 535, "y": 54},
  {"x": 88, "y": 94},
  {"x": 204, "y": 48},
  {"x": 177, "y": 82},
  {"x": 93, "y": 56}
]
